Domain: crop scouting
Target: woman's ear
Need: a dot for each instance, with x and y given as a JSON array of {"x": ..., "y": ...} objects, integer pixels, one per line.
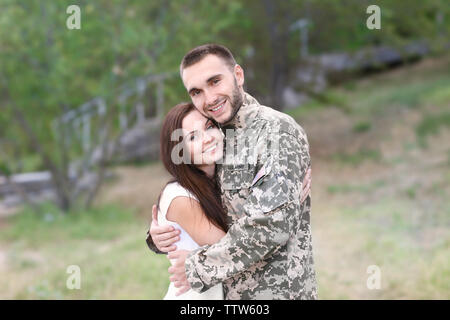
[{"x": 239, "y": 75}]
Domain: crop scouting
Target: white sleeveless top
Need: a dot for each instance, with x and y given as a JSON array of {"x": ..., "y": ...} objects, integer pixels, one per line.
[{"x": 171, "y": 191}]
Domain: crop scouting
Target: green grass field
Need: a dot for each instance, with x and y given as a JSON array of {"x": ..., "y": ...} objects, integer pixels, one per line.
[
  {"x": 107, "y": 244},
  {"x": 380, "y": 196}
]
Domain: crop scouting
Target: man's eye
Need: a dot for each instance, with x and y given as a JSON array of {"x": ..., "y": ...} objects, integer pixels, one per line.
[
  {"x": 192, "y": 137},
  {"x": 195, "y": 92},
  {"x": 215, "y": 81}
]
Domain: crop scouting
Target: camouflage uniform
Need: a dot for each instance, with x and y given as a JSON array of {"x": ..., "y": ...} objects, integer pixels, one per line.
[{"x": 267, "y": 252}]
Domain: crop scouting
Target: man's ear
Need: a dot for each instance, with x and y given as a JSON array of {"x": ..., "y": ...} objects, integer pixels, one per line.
[
  {"x": 239, "y": 74},
  {"x": 182, "y": 79}
]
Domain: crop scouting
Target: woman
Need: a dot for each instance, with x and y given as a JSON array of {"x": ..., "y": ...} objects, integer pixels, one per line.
[{"x": 190, "y": 146}]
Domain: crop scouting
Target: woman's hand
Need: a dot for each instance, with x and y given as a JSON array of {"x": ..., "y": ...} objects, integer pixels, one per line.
[{"x": 163, "y": 236}]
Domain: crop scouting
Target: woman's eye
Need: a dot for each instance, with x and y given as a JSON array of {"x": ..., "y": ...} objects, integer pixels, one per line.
[{"x": 192, "y": 136}]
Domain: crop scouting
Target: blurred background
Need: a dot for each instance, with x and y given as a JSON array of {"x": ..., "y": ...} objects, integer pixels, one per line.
[{"x": 79, "y": 136}]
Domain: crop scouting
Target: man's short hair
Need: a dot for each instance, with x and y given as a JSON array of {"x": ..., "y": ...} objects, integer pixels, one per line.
[{"x": 200, "y": 52}]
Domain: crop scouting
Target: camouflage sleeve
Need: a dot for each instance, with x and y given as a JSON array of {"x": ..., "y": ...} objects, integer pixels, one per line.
[
  {"x": 269, "y": 211},
  {"x": 151, "y": 245}
]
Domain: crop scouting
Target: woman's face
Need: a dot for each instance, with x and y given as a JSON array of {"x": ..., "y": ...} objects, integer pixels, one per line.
[{"x": 204, "y": 141}]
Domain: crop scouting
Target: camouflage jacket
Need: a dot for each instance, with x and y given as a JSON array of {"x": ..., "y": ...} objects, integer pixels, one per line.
[{"x": 267, "y": 252}]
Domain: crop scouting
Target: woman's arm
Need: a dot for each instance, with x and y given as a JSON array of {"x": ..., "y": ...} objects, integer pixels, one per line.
[{"x": 189, "y": 215}]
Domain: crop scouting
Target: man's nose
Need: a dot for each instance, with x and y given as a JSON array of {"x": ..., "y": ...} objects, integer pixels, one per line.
[{"x": 211, "y": 98}]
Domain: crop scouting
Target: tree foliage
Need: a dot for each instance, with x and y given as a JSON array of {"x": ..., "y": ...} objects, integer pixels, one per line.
[{"x": 47, "y": 69}]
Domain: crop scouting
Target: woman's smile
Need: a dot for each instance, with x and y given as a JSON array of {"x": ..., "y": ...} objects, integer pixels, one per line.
[{"x": 210, "y": 149}]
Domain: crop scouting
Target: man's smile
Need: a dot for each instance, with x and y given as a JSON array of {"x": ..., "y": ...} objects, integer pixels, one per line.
[{"x": 218, "y": 107}]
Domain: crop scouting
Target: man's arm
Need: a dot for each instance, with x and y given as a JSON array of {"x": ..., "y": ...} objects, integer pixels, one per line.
[
  {"x": 266, "y": 223},
  {"x": 160, "y": 239}
]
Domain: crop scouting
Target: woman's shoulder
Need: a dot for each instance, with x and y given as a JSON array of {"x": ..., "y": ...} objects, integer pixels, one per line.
[
  {"x": 180, "y": 204},
  {"x": 171, "y": 192},
  {"x": 175, "y": 189}
]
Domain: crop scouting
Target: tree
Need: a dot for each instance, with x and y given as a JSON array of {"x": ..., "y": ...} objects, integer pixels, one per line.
[{"x": 47, "y": 70}]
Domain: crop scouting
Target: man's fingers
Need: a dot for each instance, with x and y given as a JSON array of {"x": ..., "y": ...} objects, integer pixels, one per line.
[
  {"x": 179, "y": 284},
  {"x": 306, "y": 190},
  {"x": 154, "y": 215},
  {"x": 168, "y": 236},
  {"x": 182, "y": 290},
  {"x": 168, "y": 242},
  {"x": 163, "y": 236},
  {"x": 168, "y": 249},
  {"x": 183, "y": 287},
  {"x": 308, "y": 173},
  {"x": 173, "y": 255},
  {"x": 159, "y": 230},
  {"x": 308, "y": 187},
  {"x": 307, "y": 179},
  {"x": 180, "y": 257},
  {"x": 171, "y": 242}
]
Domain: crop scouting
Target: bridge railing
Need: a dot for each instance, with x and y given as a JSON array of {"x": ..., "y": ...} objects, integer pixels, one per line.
[{"x": 138, "y": 102}]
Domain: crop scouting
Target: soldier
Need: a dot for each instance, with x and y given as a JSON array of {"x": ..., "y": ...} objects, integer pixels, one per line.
[{"x": 267, "y": 252}]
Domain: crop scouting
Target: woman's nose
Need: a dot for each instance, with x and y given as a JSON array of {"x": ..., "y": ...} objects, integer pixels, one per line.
[{"x": 207, "y": 138}]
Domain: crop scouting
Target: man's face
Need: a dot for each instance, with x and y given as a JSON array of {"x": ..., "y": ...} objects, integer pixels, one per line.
[{"x": 215, "y": 88}]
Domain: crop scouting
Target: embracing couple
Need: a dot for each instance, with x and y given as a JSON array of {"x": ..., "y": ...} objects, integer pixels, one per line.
[{"x": 235, "y": 218}]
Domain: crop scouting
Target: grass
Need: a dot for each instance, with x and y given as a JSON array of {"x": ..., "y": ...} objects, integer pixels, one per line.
[
  {"x": 408, "y": 89},
  {"x": 412, "y": 253},
  {"x": 399, "y": 221},
  {"x": 306, "y": 109},
  {"x": 368, "y": 209},
  {"x": 107, "y": 243},
  {"x": 51, "y": 224},
  {"x": 430, "y": 125},
  {"x": 358, "y": 157},
  {"x": 361, "y": 188},
  {"x": 362, "y": 126}
]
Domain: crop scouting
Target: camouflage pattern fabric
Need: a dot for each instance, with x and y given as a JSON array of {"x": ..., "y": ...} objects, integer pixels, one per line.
[{"x": 267, "y": 252}]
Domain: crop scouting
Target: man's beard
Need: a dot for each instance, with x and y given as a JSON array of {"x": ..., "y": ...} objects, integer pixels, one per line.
[{"x": 236, "y": 103}]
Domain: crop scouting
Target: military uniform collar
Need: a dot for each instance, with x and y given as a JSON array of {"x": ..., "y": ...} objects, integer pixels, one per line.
[{"x": 246, "y": 114}]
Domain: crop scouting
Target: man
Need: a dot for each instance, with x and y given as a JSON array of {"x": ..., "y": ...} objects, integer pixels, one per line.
[{"x": 267, "y": 252}]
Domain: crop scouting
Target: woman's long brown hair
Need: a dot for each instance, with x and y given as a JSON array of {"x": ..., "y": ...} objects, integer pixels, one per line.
[{"x": 188, "y": 175}]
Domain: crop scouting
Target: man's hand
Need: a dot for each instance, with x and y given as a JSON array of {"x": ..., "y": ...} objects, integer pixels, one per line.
[
  {"x": 163, "y": 236},
  {"x": 178, "y": 271},
  {"x": 306, "y": 189}
]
